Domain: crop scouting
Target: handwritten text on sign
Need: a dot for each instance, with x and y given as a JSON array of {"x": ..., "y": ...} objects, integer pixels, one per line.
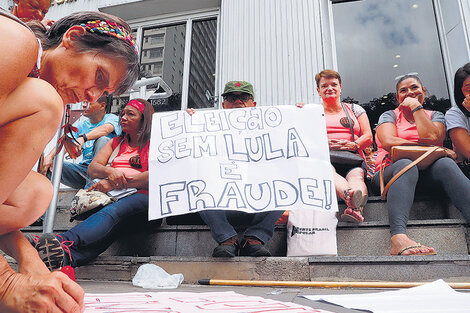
[{"x": 251, "y": 160}]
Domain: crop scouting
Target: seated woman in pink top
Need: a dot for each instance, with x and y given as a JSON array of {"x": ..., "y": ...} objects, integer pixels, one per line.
[
  {"x": 129, "y": 169},
  {"x": 349, "y": 181},
  {"x": 409, "y": 124}
]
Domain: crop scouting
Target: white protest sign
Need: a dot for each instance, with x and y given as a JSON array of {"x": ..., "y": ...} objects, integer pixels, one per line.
[{"x": 251, "y": 160}]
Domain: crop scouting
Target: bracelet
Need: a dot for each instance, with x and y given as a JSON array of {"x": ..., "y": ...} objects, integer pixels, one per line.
[
  {"x": 357, "y": 145},
  {"x": 419, "y": 107},
  {"x": 85, "y": 139}
]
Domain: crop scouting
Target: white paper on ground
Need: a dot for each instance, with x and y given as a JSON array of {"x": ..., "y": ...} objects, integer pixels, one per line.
[
  {"x": 189, "y": 302},
  {"x": 432, "y": 297}
]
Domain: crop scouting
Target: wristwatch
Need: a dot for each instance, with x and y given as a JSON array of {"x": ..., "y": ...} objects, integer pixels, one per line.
[
  {"x": 85, "y": 139},
  {"x": 419, "y": 107}
]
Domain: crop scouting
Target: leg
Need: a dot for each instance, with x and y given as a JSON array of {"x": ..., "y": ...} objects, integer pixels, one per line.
[
  {"x": 400, "y": 198},
  {"x": 259, "y": 233},
  {"x": 26, "y": 203},
  {"x": 71, "y": 177},
  {"x": 457, "y": 186},
  {"x": 221, "y": 229},
  {"x": 262, "y": 225},
  {"x": 222, "y": 232},
  {"x": 99, "y": 143},
  {"x": 355, "y": 179},
  {"x": 30, "y": 117},
  {"x": 351, "y": 191},
  {"x": 94, "y": 235}
]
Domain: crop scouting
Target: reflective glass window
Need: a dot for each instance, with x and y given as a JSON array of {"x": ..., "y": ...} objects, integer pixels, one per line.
[{"x": 378, "y": 40}]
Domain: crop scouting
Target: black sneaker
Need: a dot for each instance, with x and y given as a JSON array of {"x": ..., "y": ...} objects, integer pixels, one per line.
[
  {"x": 33, "y": 239},
  {"x": 228, "y": 248},
  {"x": 251, "y": 246},
  {"x": 53, "y": 252}
]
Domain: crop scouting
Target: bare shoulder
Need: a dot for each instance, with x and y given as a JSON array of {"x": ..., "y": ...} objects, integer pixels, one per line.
[{"x": 18, "y": 54}]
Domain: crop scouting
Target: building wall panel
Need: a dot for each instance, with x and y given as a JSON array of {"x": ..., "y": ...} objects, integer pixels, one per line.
[{"x": 273, "y": 44}]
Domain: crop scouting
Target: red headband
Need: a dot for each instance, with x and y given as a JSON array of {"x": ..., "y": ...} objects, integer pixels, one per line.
[{"x": 138, "y": 105}]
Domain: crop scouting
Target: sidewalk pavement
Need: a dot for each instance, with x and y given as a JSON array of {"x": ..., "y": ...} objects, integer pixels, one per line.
[{"x": 277, "y": 293}]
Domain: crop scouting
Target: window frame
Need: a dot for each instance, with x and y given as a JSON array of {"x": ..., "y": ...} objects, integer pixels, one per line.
[
  {"x": 329, "y": 40},
  {"x": 186, "y": 18}
]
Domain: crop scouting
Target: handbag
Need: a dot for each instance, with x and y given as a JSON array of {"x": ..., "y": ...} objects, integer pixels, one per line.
[
  {"x": 422, "y": 157},
  {"x": 345, "y": 158},
  {"x": 414, "y": 152},
  {"x": 342, "y": 157},
  {"x": 311, "y": 232},
  {"x": 86, "y": 203}
]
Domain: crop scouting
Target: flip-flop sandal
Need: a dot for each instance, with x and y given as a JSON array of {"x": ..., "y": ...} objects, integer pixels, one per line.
[
  {"x": 353, "y": 198},
  {"x": 351, "y": 215},
  {"x": 418, "y": 245}
]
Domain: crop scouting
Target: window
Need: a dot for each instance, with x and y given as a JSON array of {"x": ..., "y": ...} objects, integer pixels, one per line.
[
  {"x": 378, "y": 40},
  {"x": 187, "y": 65},
  {"x": 157, "y": 50},
  {"x": 155, "y": 53}
]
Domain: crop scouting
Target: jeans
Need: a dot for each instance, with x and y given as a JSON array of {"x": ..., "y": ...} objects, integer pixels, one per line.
[
  {"x": 70, "y": 171},
  {"x": 95, "y": 234},
  {"x": 442, "y": 174},
  {"x": 260, "y": 225}
]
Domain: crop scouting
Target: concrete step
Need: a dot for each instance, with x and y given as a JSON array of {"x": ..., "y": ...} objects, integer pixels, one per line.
[
  {"x": 424, "y": 208},
  {"x": 433, "y": 221},
  {"x": 452, "y": 268},
  {"x": 448, "y": 237}
]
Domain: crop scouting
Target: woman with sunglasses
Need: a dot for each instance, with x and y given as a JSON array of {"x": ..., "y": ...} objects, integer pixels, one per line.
[
  {"x": 458, "y": 118},
  {"x": 129, "y": 169},
  {"x": 342, "y": 136},
  {"x": 70, "y": 63},
  {"x": 410, "y": 124}
]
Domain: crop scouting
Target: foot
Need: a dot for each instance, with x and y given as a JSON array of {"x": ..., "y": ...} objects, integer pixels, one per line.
[
  {"x": 252, "y": 246},
  {"x": 353, "y": 198},
  {"x": 352, "y": 215},
  {"x": 403, "y": 245},
  {"x": 227, "y": 249},
  {"x": 54, "y": 251}
]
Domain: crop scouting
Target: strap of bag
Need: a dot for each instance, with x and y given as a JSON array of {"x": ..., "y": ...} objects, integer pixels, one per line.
[
  {"x": 383, "y": 190},
  {"x": 349, "y": 120},
  {"x": 114, "y": 154}
]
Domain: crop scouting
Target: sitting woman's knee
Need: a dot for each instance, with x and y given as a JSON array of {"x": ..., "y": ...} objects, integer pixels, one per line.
[{"x": 413, "y": 172}]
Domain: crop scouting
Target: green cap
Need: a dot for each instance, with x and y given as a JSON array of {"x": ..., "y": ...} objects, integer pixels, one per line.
[{"x": 238, "y": 86}]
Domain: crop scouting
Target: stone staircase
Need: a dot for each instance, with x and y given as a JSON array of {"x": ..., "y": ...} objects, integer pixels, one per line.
[{"x": 184, "y": 244}]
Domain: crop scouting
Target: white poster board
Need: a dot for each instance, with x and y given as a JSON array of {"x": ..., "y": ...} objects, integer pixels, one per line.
[{"x": 251, "y": 160}]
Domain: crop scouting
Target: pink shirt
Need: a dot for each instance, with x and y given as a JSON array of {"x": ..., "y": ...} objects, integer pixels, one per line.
[
  {"x": 337, "y": 125},
  {"x": 405, "y": 130}
]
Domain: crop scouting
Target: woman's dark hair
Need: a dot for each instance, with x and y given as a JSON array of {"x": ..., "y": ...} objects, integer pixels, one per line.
[
  {"x": 459, "y": 78},
  {"x": 95, "y": 42},
  {"x": 402, "y": 78},
  {"x": 143, "y": 135}
]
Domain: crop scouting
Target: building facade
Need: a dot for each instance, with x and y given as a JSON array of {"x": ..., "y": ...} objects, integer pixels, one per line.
[{"x": 278, "y": 45}]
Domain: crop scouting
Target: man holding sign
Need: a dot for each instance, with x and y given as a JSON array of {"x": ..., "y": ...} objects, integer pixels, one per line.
[{"x": 239, "y": 94}]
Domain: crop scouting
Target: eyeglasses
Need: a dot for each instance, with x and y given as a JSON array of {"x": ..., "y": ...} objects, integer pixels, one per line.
[
  {"x": 409, "y": 74},
  {"x": 244, "y": 97}
]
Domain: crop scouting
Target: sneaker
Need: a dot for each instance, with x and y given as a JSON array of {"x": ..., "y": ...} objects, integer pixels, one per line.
[
  {"x": 33, "y": 239},
  {"x": 228, "y": 248},
  {"x": 53, "y": 252},
  {"x": 251, "y": 246}
]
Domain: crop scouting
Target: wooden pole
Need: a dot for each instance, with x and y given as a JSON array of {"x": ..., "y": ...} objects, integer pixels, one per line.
[{"x": 322, "y": 284}]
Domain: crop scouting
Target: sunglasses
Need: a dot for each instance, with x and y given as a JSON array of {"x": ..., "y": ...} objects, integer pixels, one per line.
[
  {"x": 409, "y": 74},
  {"x": 244, "y": 97}
]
